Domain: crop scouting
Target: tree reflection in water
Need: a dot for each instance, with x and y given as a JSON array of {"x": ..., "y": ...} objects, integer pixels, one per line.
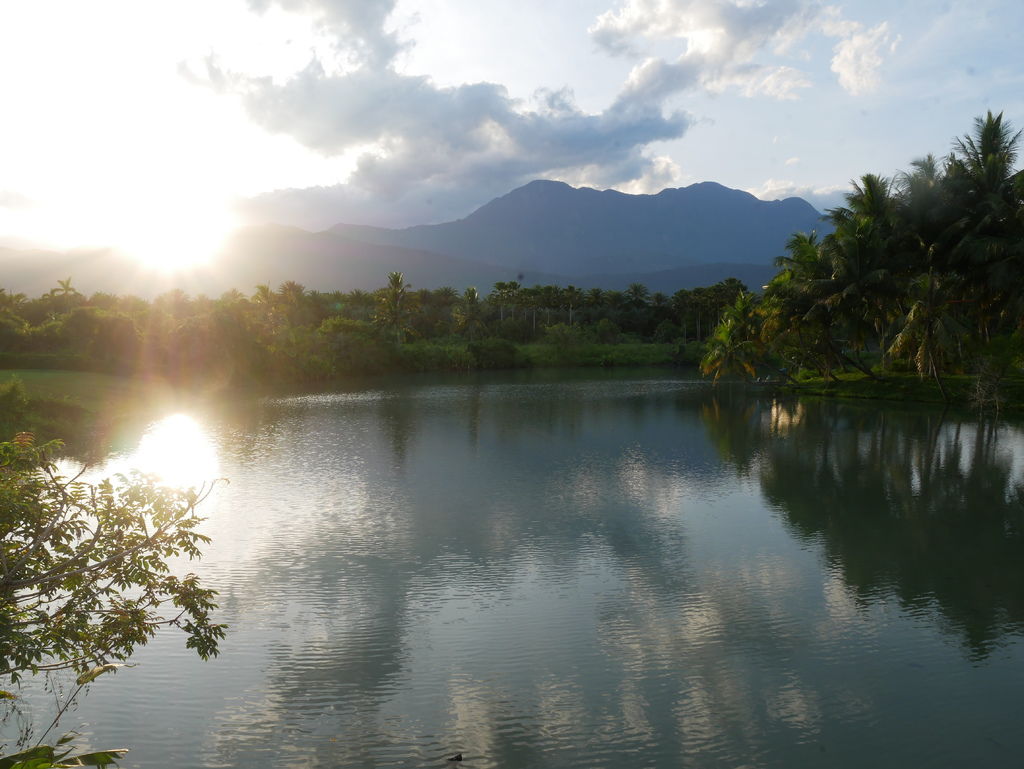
[{"x": 924, "y": 506}]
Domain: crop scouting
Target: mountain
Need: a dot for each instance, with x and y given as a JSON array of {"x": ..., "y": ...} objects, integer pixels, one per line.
[
  {"x": 551, "y": 226},
  {"x": 542, "y": 233}
]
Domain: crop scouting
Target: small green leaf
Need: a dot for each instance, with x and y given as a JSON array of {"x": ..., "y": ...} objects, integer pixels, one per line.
[{"x": 99, "y": 758}]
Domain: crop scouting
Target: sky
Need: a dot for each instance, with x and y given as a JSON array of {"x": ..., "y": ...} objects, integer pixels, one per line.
[{"x": 156, "y": 127}]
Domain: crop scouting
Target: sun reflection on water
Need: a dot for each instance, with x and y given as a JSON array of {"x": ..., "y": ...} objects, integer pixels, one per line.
[{"x": 177, "y": 450}]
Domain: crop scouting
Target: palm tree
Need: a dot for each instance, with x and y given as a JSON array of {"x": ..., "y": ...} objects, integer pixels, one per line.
[
  {"x": 468, "y": 314},
  {"x": 359, "y": 304},
  {"x": 637, "y": 295},
  {"x": 394, "y": 306},
  {"x": 65, "y": 292},
  {"x": 263, "y": 295},
  {"x": 572, "y": 297},
  {"x": 985, "y": 187},
  {"x": 798, "y": 325},
  {"x": 734, "y": 344},
  {"x": 531, "y": 299},
  {"x": 985, "y": 160},
  {"x": 232, "y": 296},
  {"x": 292, "y": 293},
  {"x": 506, "y": 293},
  {"x": 930, "y": 331},
  {"x": 10, "y": 301},
  {"x": 681, "y": 302}
]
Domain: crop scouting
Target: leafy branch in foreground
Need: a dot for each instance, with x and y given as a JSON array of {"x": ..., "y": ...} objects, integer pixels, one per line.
[
  {"x": 58, "y": 756},
  {"x": 84, "y": 574}
]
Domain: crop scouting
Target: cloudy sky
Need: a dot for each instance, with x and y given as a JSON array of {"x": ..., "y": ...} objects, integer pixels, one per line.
[{"x": 157, "y": 126}]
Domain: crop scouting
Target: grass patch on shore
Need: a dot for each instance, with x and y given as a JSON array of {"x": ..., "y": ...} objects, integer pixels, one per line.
[
  {"x": 78, "y": 407},
  {"x": 85, "y": 389},
  {"x": 593, "y": 354},
  {"x": 910, "y": 388}
]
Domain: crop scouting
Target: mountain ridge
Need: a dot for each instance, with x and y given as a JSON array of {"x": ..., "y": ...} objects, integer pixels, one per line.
[
  {"x": 544, "y": 232},
  {"x": 551, "y": 225}
]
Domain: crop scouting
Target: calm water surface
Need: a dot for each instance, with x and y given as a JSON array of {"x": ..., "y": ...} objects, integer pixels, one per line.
[{"x": 598, "y": 571}]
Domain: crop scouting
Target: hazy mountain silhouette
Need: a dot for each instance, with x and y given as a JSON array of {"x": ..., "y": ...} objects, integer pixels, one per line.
[
  {"x": 551, "y": 226},
  {"x": 544, "y": 232}
]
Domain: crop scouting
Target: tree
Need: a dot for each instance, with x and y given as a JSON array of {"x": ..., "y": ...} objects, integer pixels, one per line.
[
  {"x": 733, "y": 346},
  {"x": 66, "y": 293},
  {"x": 930, "y": 331},
  {"x": 572, "y": 297},
  {"x": 468, "y": 315},
  {"x": 637, "y": 295},
  {"x": 395, "y": 305},
  {"x": 986, "y": 189},
  {"x": 84, "y": 577},
  {"x": 506, "y": 293}
]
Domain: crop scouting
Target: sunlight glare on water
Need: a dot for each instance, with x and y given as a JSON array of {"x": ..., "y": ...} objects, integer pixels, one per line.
[{"x": 177, "y": 449}]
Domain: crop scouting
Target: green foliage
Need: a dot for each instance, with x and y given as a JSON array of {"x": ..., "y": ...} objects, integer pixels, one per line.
[
  {"x": 667, "y": 331},
  {"x": 562, "y": 336},
  {"x": 60, "y": 756},
  {"x": 493, "y": 353},
  {"x": 84, "y": 577},
  {"x": 13, "y": 398},
  {"x": 688, "y": 353},
  {"x": 590, "y": 354},
  {"x": 293, "y": 335},
  {"x": 606, "y": 332},
  {"x": 734, "y": 346},
  {"x": 437, "y": 356},
  {"x": 923, "y": 271},
  {"x": 355, "y": 347}
]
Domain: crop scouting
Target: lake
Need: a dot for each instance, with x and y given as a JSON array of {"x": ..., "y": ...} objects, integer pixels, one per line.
[{"x": 587, "y": 570}]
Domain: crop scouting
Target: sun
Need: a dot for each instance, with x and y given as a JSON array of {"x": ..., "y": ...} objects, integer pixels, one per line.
[{"x": 177, "y": 237}]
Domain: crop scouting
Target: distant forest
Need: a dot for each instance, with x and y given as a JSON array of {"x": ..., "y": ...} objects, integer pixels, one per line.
[
  {"x": 923, "y": 271},
  {"x": 292, "y": 334}
]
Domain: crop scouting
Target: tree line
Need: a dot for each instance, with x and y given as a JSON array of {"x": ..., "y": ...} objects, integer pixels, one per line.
[
  {"x": 923, "y": 271},
  {"x": 292, "y": 333}
]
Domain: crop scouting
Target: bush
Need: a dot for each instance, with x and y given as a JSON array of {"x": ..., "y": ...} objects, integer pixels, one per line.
[
  {"x": 356, "y": 347},
  {"x": 494, "y": 353},
  {"x": 561, "y": 335},
  {"x": 666, "y": 332},
  {"x": 514, "y": 329},
  {"x": 606, "y": 332},
  {"x": 688, "y": 353},
  {"x": 434, "y": 356},
  {"x": 13, "y": 398}
]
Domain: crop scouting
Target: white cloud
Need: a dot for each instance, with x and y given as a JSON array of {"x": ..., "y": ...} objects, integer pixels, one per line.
[
  {"x": 779, "y": 83},
  {"x": 721, "y": 41},
  {"x": 821, "y": 197},
  {"x": 421, "y": 149},
  {"x": 726, "y": 44},
  {"x": 358, "y": 27},
  {"x": 792, "y": 161},
  {"x": 858, "y": 58}
]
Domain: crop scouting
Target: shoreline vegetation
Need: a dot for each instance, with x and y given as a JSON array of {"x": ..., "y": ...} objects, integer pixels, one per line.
[{"x": 916, "y": 294}]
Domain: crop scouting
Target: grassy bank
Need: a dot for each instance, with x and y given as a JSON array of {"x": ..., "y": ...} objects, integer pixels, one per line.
[
  {"x": 76, "y": 406},
  {"x": 497, "y": 354},
  {"x": 961, "y": 390},
  {"x": 589, "y": 355}
]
